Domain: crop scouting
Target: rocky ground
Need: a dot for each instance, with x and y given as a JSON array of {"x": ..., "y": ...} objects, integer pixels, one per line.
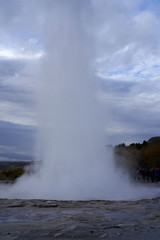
[{"x": 44, "y": 219}]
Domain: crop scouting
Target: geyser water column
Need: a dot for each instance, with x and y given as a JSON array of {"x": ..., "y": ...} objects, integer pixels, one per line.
[
  {"x": 71, "y": 128},
  {"x": 73, "y": 157}
]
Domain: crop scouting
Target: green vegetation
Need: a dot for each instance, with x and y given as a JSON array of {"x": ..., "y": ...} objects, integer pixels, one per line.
[
  {"x": 11, "y": 174},
  {"x": 139, "y": 155},
  {"x": 11, "y": 170}
]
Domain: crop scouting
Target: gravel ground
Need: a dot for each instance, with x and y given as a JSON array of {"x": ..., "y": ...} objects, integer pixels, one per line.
[{"x": 48, "y": 219}]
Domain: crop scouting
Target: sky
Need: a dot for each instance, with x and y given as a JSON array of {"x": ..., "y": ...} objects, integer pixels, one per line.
[{"x": 126, "y": 67}]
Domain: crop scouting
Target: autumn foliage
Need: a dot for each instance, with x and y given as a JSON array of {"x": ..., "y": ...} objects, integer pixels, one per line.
[{"x": 139, "y": 155}]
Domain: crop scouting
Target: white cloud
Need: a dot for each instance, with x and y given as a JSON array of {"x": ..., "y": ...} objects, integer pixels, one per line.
[
  {"x": 19, "y": 54},
  {"x": 21, "y": 49},
  {"x": 145, "y": 69}
]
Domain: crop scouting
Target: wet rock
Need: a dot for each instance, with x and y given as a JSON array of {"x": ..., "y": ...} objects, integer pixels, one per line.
[
  {"x": 104, "y": 235},
  {"x": 16, "y": 205},
  {"x": 154, "y": 216},
  {"x": 118, "y": 234},
  {"x": 47, "y": 219},
  {"x": 125, "y": 226},
  {"x": 58, "y": 235},
  {"x": 53, "y": 205}
]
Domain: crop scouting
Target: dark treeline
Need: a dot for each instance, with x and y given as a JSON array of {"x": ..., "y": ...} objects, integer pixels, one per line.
[{"x": 139, "y": 155}]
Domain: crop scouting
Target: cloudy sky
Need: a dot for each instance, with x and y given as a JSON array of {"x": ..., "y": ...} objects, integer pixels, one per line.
[{"x": 127, "y": 69}]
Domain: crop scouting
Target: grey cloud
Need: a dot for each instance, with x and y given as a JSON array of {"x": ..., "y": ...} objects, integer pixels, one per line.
[
  {"x": 21, "y": 15},
  {"x": 17, "y": 138},
  {"x": 9, "y": 91},
  {"x": 133, "y": 114},
  {"x": 116, "y": 86},
  {"x": 12, "y": 94},
  {"x": 16, "y": 141},
  {"x": 10, "y": 67}
]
